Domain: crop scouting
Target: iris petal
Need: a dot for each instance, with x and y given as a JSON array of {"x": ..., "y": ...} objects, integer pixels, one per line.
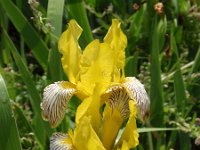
[
  {"x": 71, "y": 52},
  {"x": 90, "y": 107},
  {"x": 118, "y": 98},
  {"x": 55, "y": 98},
  {"x": 112, "y": 121},
  {"x": 130, "y": 133},
  {"x": 60, "y": 141},
  {"x": 138, "y": 93},
  {"x": 115, "y": 112},
  {"x": 118, "y": 42},
  {"x": 85, "y": 138},
  {"x": 96, "y": 66},
  {"x": 124, "y": 146}
]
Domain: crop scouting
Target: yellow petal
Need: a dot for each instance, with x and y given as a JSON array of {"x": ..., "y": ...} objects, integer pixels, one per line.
[
  {"x": 115, "y": 112},
  {"x": 90, "y": 107},
  {"x": 55, "y": 99},
  {"x": 96, "y": 66},
  {"x": 124, "y": 146},
  {"x": 85, "y": 137},
  {"x": 130, "y": 133},
  {"x": 118, "y": 42},
  {"x": 112, "y": 121},
  {"x": 70, "y": 50}
]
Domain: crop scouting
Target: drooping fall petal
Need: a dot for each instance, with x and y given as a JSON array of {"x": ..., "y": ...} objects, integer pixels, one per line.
[
  {"x": 60, "y": 141},
  {"x": 85, "y": 138},
  {"x": 130, "y": 133},
  {"x": 70, "y": 50},
  {"x": 138, "y": 93},
  {"x": 115, "y": 112},
  {"x": 124, "y": 146},
  {"x": 91, "y": 106},
  {"x": 118, "y": 42},
  {"x": 55, "y": 99},
  {"x": 112, "y": 121}
]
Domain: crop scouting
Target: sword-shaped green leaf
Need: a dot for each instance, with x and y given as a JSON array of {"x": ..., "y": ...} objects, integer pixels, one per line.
[{"x": 9, "y": 137}]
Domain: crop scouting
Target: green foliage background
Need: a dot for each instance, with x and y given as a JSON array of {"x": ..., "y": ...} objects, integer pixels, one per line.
[{"x": 163, "y": 52}]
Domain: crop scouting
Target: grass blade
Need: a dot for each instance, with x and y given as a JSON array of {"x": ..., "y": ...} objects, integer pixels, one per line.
[
  {"x": 142, "y": 130},
  {"x": 178, "y": 79},
  {"x": 172, "y": 140},
  {"x": 131, "y": 65},
  {"x": 137, "y": 21},
  {"x": 23, "y": 119},
  {"x": 159, "y": 30},
  {"x": 77, "y": 11},
  {"x": 184, "y": 141},
  {"x": 55, "y": 14},
  {"x": 179, "y": 90},
  {"x": 9, "y": 138},
  {"x": 179, "y": 93},
  {"x": 35, "y": 98},
  {"x": 31, "y": 37},
  {"x": 196, "y": 64}
]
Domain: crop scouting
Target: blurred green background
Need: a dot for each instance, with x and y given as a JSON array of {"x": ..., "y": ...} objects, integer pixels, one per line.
[{"x": 163, "y": 52}]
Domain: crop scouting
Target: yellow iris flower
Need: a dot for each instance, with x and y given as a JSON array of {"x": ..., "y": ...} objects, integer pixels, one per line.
[{"x": 96, "y": 76}]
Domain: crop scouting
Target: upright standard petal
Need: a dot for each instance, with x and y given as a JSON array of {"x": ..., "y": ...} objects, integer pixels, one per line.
[
  {"x": 55, "y": 99},
  {"x": 138, "y": 93},
  {"x": 130, "y": 134},
  {"x": 70, "y": 50},
  {"x": 96, "y": 66},
  {"x": 118, "y": 42}
]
